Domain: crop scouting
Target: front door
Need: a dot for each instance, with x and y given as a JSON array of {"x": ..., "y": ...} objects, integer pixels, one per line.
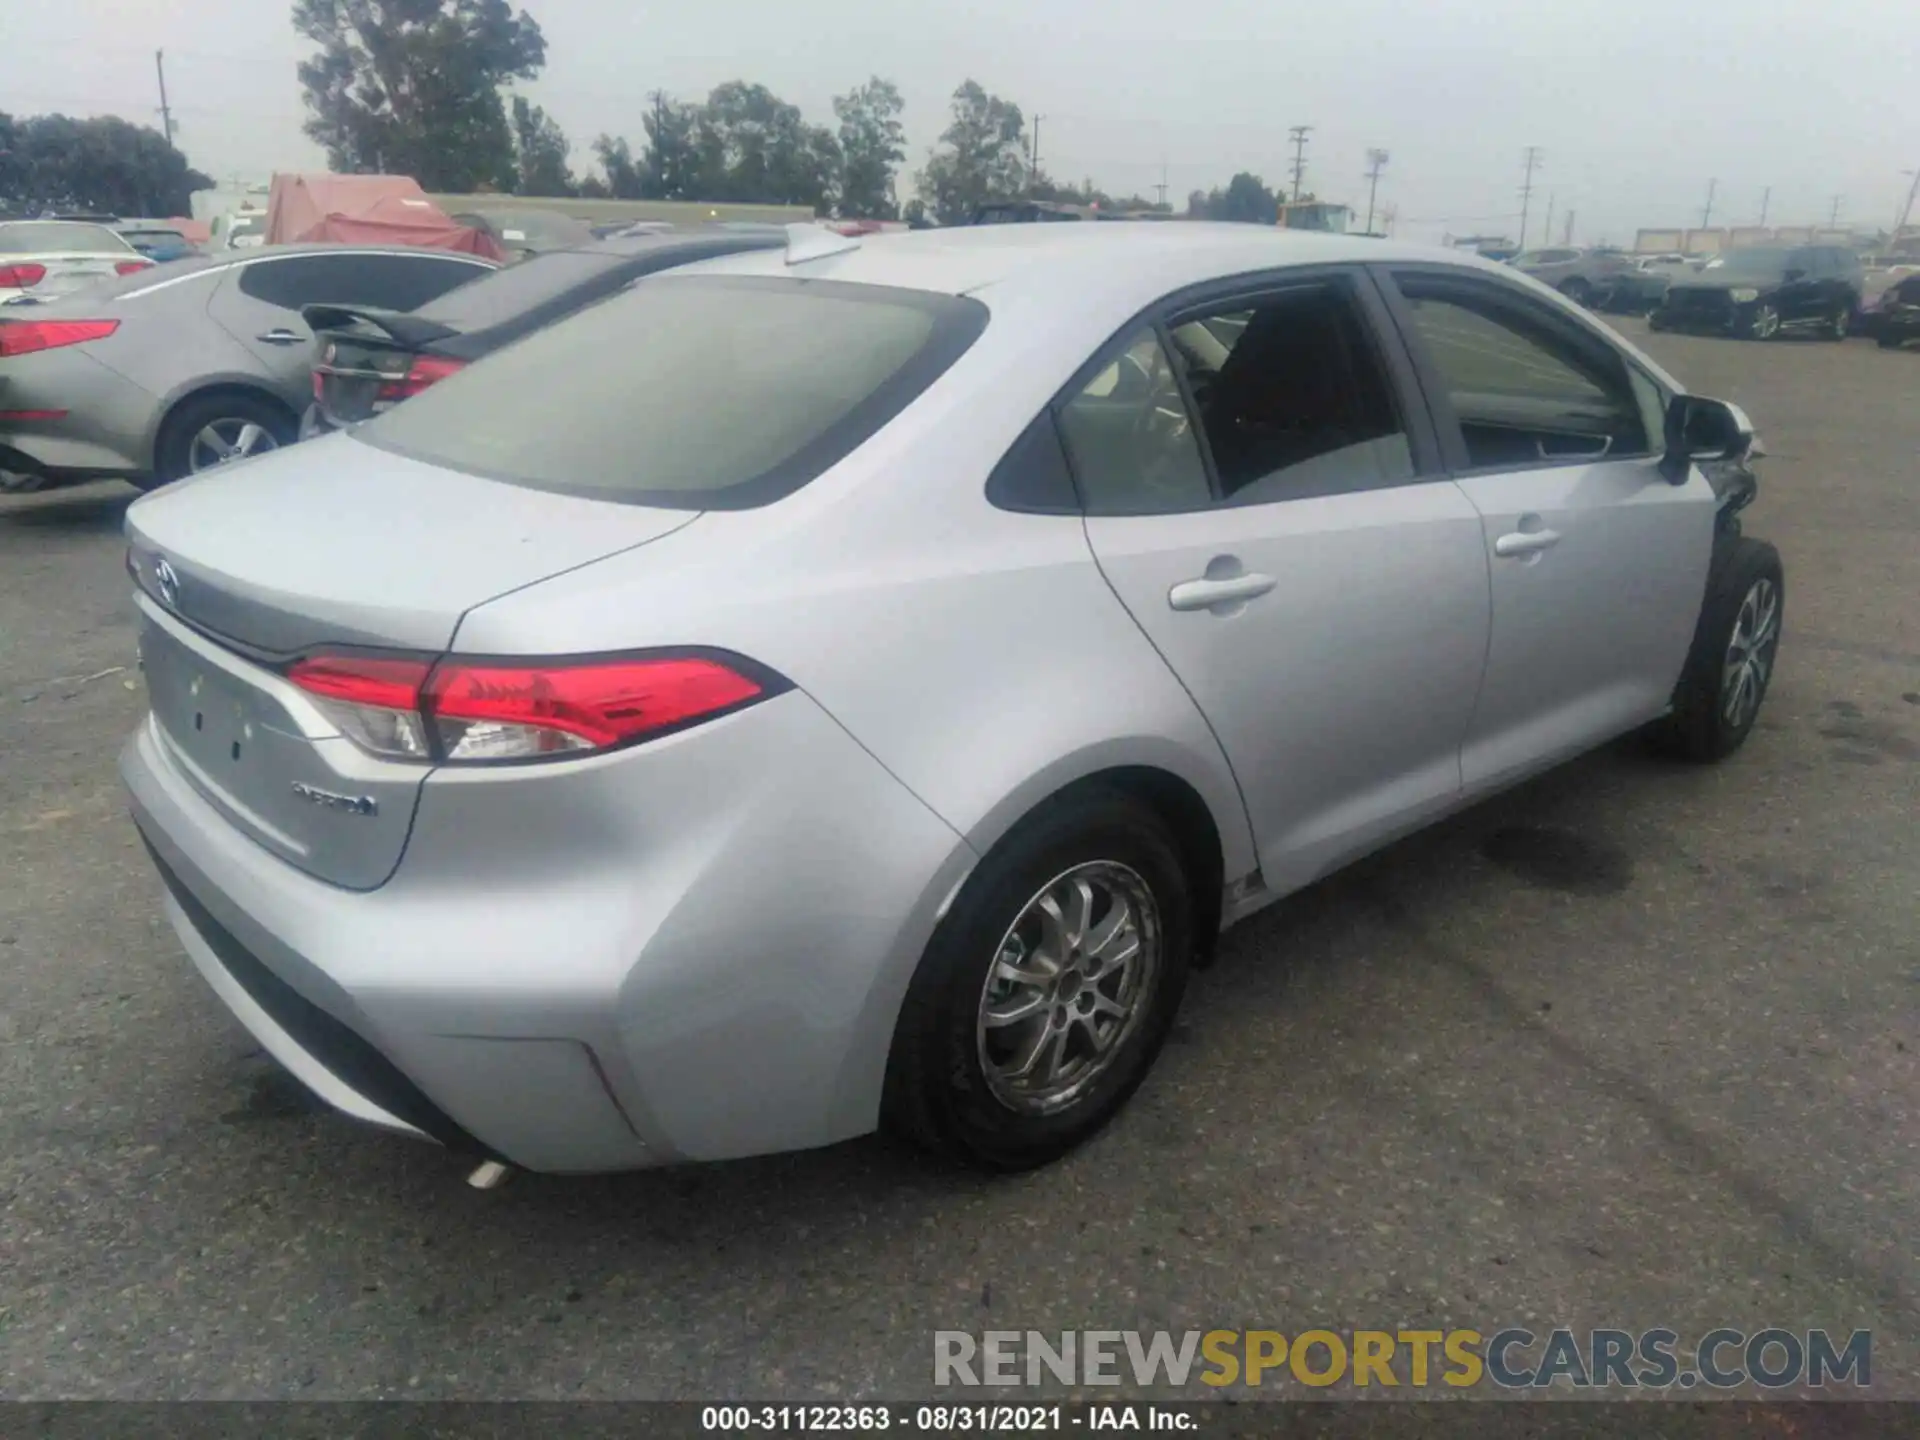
[
  {"x": 1290, "y": 545},
  {"x": 1597, "y": 561}
]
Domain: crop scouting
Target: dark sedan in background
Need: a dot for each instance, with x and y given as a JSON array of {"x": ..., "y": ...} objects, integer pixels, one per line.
[
  {"x": 1764, "y": 291},
  {"x": 370, "y": 359}
]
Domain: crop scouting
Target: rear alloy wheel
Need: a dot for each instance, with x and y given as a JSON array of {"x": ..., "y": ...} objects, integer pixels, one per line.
[
  {"x": 1731, "y": 664},
  {"x": 1048, "y": 989},
  {"x": 215, "y": 430},
  {"x": 1764, "y": 322}
]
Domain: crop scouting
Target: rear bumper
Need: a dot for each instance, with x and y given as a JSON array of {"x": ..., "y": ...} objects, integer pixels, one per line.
[{"x": 692, "y": 950}]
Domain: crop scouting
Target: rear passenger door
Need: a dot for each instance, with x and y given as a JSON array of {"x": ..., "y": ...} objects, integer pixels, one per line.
[
  {"x": 259, "y": 303},
  {"x": 1805, "y": 297},
  {"x": 1275, "y": 516},
  {"x": 1598, "y": 563}
]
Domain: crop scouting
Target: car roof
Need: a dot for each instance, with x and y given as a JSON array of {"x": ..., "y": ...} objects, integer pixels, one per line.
[{"x": 961, "y": 260}]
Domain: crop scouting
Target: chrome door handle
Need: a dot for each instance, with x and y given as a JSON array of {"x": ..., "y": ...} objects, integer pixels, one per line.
[
  {"x": 282, "y": 337},
  {"x": 1205, "y": 594},
  {"x": 1525, "y": 542}
]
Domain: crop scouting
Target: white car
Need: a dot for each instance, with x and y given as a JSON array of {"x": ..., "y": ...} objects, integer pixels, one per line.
[{"x": 43, "y": 258}]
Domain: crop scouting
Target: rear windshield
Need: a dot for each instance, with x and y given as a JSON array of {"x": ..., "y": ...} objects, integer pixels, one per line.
[
  {"x": 516, "y": 289},
  {"x": 692, "y": 393},
  {"x": 58, "y": 237}
]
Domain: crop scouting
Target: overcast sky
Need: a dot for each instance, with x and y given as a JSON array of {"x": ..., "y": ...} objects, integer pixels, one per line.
[{"x": 1635, "y": 105}]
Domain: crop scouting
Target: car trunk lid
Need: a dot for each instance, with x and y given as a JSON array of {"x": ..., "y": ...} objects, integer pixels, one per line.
[
  {"x": 369, "y": 360},
  {"x": 321, "y": 547}
]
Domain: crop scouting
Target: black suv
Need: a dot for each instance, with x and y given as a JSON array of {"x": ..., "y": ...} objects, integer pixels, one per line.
[{"x": 1762, "y": 291}]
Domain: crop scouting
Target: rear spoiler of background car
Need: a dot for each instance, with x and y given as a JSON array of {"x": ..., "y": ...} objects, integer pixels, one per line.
[{"x": 409, "y": 330}]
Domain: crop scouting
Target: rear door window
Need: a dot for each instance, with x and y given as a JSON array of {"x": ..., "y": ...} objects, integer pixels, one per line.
[{"x": 695, "y": 393}]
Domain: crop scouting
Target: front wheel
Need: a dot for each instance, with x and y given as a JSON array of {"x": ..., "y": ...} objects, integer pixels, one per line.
[
  {"x": 1764, "y": 322},
  {"x": 1048, "y": 989},
  {"x": 1578, "y": 291},
  {"x": 1841, "y": 323},
  {"x": 1731, "y": 663}
]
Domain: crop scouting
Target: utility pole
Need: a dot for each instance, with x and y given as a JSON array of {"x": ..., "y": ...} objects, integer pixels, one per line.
[
  {"x": 1706, "y": 215},
  {"x": 1766, "y": 197},
  {"x": 1546, "y": 230},
  {"x": 166, "y": 113},
  {"x": 1532, "y": 161},
  {"x": 1033, "y": 165},
  {"x": 1567, "y": 239},
  {"x": 1906, "y": 210},
  {"x": 1298, "y": 134},
  {"x": 1161, "y": 188},
  {"x": 1376, "y": 162},
  {"x": 1833, "y": 216}
]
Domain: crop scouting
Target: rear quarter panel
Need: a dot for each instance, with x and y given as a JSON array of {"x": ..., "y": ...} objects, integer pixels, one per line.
[
  {"x": 978, "y": 654},
  {"x": 170, "y": 347}
]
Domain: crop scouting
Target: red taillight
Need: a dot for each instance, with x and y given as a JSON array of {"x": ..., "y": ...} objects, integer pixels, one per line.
[
  {"x": 426, "y": 370},
  {"x": 585, "y": 707},
  {"x": 23, "y": 337},
  {"x": 362, "y": 680},
  {"x": 21, "y": 277},
  {"x": 129, "y": 267},
  {"x": 461, "y": 711},
  {"x": 17, "y": 416}
]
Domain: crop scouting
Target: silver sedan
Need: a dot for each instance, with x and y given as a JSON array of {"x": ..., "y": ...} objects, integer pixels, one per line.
[
  {"x": 854, "y": 685},
  {"x": 173, "y": 370}
]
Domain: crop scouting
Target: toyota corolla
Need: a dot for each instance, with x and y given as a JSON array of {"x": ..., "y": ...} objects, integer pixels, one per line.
[{"x": 852, "y": 685}]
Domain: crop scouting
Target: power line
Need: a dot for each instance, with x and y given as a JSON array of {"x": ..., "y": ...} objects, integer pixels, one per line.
[{"x": 1531, "y": 159}]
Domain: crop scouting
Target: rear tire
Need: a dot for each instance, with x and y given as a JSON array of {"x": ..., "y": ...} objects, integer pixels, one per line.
[
  {"x": 977, "y": 1006},
  {"x": 1730, "y": 667},
  {"x": 189, "y": 441},
  {"x": 1890, "y": 342}
]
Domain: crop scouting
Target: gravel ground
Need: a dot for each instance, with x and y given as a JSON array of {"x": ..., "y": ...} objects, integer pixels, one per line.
[{"x": 1633, "y": 1046}]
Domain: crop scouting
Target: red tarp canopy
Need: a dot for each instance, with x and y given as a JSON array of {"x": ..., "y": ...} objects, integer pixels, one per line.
[{"x": 365, "y": 210}]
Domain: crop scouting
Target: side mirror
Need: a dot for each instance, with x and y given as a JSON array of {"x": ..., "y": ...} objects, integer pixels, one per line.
[{"x": 1701, "y": 432}]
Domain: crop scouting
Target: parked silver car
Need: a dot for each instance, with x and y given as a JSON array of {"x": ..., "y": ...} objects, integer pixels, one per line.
[
  {"x": 857, "y": 682},
  {"x": 175, "y": 369},
  {"x": 1586, "y": 277}
]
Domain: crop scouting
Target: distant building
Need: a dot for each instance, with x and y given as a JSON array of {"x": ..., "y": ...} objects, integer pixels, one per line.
[{"x": 1316, "y": 215}]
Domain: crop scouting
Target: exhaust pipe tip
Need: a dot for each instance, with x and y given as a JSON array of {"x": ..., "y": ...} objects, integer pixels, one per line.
[{"x": 490, "y": 1175}]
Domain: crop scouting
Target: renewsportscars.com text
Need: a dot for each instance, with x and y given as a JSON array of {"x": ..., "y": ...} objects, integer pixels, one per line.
[{"x": 1513, "y": 1359}]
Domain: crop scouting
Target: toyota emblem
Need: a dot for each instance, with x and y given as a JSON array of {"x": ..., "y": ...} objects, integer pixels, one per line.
[{"x": 168, "y": 582}]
